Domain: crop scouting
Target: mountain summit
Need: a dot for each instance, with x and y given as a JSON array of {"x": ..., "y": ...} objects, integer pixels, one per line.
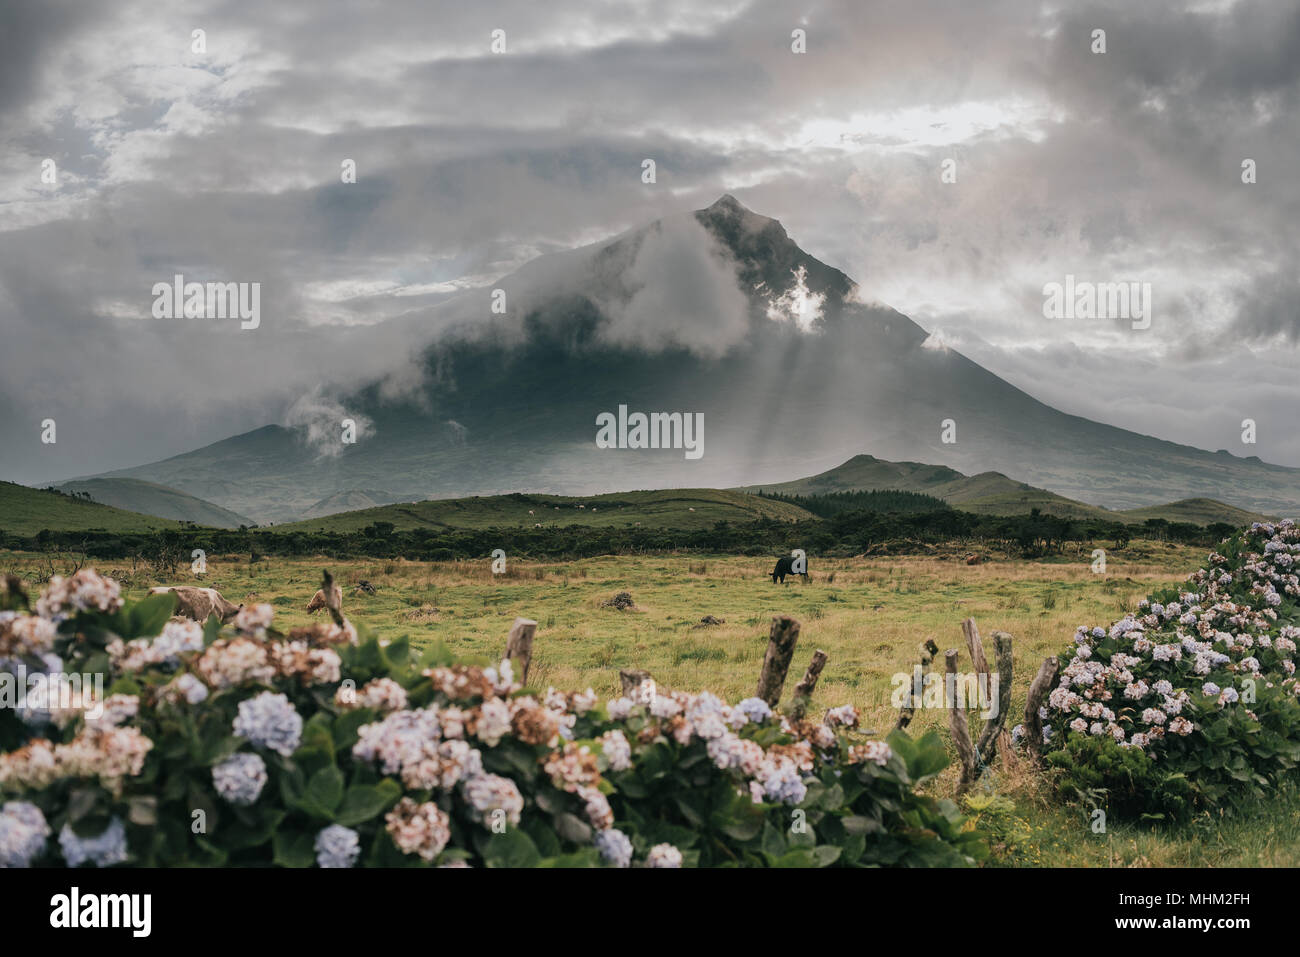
[{"x": 716, "y": 313}]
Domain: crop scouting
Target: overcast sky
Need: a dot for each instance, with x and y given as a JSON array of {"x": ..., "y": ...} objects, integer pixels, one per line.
[{"x": 225, "y": 165}]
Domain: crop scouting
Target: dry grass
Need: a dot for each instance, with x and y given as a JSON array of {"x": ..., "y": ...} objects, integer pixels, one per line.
[{"x": 870, "y": 619}]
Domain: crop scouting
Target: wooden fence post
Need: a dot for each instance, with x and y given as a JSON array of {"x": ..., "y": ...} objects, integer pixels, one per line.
[
  {"x": 977, "y": 658},
  {"x": 1033, "y": 723},
  {"x": 908, "y": 711},
  {"x": 780, "y": 649},
  {"x": 988, "y": 740},
  {"x": 803, "y": 691},
  {"x": 957, "y": 723}
]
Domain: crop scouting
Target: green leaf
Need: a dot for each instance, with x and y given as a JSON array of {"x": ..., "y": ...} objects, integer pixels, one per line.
[
  {"x": 347, "y": 725},
  {"x": 856, "y": 824},
  {"x": 211, "y": 630},
  {"x": 544, "y": 838},
  {"x": 630, "y": 785},
  {"x": 147, "y": 617},
  {"x": 317, "y": 733},
  {"x": 364, "y": 801},
  {"x": 143, "y": 810},
  {"x": 572, "y": 828},
  {"x": 686, "y": 805},
  {"x": 797, "y": 858},
  {"x": 825, "y": 855},
  {"x": 924, "y": 758},
  {"x": 397, "y": 652},
  {"x": 80, "y": 802},
  {"x": 325, "y": 788},
  {"x": 773, "y": 843},
  {"x": 237, "y": 835},
  {"x": 511, "y": 848},
  {"x": 587, "y": 857},
  {"x": 294, "y": 850}
]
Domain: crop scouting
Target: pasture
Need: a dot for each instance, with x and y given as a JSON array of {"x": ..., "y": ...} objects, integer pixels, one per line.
[{"x": 868, "y": 614}]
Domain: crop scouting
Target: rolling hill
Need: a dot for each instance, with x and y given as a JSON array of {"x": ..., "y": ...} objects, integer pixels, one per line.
[
  {"x": 149, "y": 498},
  {"x": 992, "y": 493},
  {"x": 672, "y": 508},
  {"x": 27, "y": 511},
  {"x": 1199, "y": 511}
]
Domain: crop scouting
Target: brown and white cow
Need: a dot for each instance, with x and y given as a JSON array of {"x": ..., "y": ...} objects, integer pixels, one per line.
[
  {"x": 199, "y": 603},
  {"x": 318, "y": 600}
]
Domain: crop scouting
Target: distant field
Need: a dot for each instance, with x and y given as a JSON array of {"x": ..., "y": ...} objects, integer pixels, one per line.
[
  {"x": 26, "y": 511},
  {"x": 870, "y": 621},
  {"x": 668, "y": 508}
]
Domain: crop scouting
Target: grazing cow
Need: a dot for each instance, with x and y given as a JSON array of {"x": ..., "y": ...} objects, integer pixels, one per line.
[
  {"x": 318, "y": 600},
  {"x": 199, "y": 603},
  {"x": 785, "y": 566}
]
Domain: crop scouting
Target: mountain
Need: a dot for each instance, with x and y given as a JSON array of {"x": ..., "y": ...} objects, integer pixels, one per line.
[
  {"x": 27, "y": 511},
  {"x": 350, "y": 500},
  {"x": 149, "y": 498},
  {"x": 669, "y": 508},
  {"x": 992, "y": 493},
  {"x": 716, "y": 313}
]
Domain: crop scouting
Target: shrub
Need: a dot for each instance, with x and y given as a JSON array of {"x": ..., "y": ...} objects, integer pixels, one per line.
[
  {"x": 1099, "y": 772},
  {"x": 245, "y": 746},
  {"x": 1201, "y": 683}
]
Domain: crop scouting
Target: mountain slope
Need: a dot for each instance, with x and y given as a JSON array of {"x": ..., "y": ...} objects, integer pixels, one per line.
[
  {"x": 350, "y": 500},
  {"x": 718, "y": 313},
  {"x": 149, "y": 498},
  {"x": 27, "y": 511}
]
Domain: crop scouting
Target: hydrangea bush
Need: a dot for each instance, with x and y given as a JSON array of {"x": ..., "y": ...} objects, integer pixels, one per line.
[
  {"x": 327, "y": 746},
  {"x": 1192, "y": 700}
]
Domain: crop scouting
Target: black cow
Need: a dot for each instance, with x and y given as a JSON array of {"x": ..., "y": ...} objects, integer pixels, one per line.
[{"x": 785, "y": 566}]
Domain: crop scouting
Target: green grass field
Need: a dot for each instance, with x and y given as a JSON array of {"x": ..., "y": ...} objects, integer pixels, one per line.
[
  {"x": 666, "y": 508},
  {"x": 26, "y": 511},
  {"x": 870, "y": 620}
]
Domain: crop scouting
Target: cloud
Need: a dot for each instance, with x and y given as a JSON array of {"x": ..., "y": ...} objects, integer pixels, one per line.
[
  {"x": 32, "y": 29},
  {"x": 683, "y": 294},
  {"x": 1268, "y": 310},
  {"x": 323, "y": 422},
  {"x": 797, "y": 305},
  {"x": 226, "y": 166}
]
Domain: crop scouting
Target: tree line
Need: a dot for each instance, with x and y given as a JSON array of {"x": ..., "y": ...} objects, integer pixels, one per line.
[{"x": 842, "y": 533}]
